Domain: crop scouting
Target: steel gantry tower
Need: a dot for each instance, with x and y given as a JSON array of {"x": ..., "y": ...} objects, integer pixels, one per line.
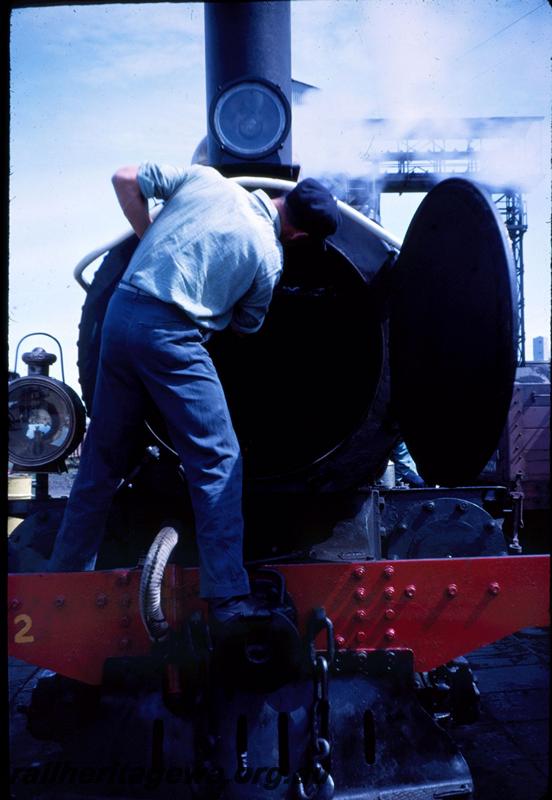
[{"x": 413, "y": 158}]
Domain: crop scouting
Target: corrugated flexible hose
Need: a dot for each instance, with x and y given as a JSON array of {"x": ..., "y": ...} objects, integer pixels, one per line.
[{"x": 150, "y": 584}]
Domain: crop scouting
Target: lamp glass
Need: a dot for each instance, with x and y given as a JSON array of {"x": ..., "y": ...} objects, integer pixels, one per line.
[{"x": 250, "y": 119}]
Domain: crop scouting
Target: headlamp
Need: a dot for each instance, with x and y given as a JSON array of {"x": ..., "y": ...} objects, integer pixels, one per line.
[
  {"x": 46, "y": 422},
  {"x": 250, "y": 118},
  {"x": 46, "y": 418}
]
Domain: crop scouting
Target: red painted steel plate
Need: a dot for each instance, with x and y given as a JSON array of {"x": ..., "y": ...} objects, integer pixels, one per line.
[
  {"x": 453, "y": 608},
  {"x": 438, "y": 608}
]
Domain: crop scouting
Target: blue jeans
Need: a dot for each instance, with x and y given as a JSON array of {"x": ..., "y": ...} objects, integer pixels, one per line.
[{"x": 150, "y": 348}]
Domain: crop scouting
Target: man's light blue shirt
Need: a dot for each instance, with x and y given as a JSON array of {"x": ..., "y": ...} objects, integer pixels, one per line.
[{"x": 213, "y": 250}]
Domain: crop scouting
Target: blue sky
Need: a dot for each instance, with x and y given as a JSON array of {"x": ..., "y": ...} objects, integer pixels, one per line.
[{"x": 96, "y": 87}]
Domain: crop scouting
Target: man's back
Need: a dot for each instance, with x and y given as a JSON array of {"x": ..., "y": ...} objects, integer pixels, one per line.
[{"x": 207, "y": 247}]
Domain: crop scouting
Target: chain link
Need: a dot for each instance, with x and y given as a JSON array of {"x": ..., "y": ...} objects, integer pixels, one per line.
[{"x": 321, "y": 784}]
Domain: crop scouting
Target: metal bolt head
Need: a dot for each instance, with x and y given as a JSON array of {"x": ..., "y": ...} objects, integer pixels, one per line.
[
  {"x": 361, "y": 614},
  {"x": 389, "y": 591},
  {"x": 359, "y": 572},
  {"x": 490, "y": 525},
  {"x": 410, "y": 590},
  {"x": 402, "y": 527},
  {"x": 429, "y": 506},
  {"x": 462, "y": 507},
  {"x": 389, "y": 571},
  {"x": 452, "y": 590},
  {"x": 124, "y": 643},
  {"x": 494, "y": 588},
  {"x": 59, "y": 602},
  {"x": 123, "y": 579},
  {"x": 125, "y": 622},
  {"x": 360, "y": 593},
  {"x": 101, "y": 600},
  {"x": 390, "y": 613},
  {"x": 15, "y": 604},
  {"x": 340, "y": 640},
  {"x": 361, "y": 637},
  {"x": 390, "y": 634}
]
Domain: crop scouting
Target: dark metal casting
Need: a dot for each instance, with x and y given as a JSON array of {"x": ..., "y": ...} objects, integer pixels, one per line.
[{"x": 453, "y": 306}]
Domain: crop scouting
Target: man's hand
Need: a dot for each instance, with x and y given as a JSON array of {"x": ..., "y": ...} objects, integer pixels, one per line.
[{"x": 131, "y": 199}]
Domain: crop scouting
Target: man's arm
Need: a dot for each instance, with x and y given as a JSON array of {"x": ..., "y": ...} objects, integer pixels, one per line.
[
  {"x": 250, "y": 311},
  {"x": 131, "y": 199}
]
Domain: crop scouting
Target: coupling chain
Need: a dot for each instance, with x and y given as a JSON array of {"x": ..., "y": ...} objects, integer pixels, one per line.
[{"x": 321, "y": 784}]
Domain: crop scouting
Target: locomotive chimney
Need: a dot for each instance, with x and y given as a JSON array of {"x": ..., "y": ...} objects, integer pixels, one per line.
[{"x": 248, "y": 75}]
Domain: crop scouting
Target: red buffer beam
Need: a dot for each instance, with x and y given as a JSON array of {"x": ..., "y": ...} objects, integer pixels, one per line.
[{"x": 438, "y": 608}]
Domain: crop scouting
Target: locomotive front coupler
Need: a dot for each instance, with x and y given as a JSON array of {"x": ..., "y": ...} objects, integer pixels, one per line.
[{"x": 259, "y": 651}]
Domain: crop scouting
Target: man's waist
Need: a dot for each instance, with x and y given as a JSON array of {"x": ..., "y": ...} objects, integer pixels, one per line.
[
  {"x": 174, "y": 309},
  {"x": 128, "y": 287}
]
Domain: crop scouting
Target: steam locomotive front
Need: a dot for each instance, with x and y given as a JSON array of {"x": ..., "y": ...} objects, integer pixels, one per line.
[{"x": 321, "y": 700}]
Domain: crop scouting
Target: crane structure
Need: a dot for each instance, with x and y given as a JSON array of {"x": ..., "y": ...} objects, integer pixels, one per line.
[{"x": 412, "y": 158}]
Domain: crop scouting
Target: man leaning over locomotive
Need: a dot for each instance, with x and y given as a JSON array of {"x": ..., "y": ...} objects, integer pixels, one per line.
[{"x": 210, "y": 260}]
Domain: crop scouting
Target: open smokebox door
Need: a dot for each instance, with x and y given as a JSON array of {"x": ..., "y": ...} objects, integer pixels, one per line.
[{"x": 453, "y": 333}]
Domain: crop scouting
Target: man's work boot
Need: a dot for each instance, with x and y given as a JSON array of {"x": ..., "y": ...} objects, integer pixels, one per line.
[{"x": 223, "y": 610}]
